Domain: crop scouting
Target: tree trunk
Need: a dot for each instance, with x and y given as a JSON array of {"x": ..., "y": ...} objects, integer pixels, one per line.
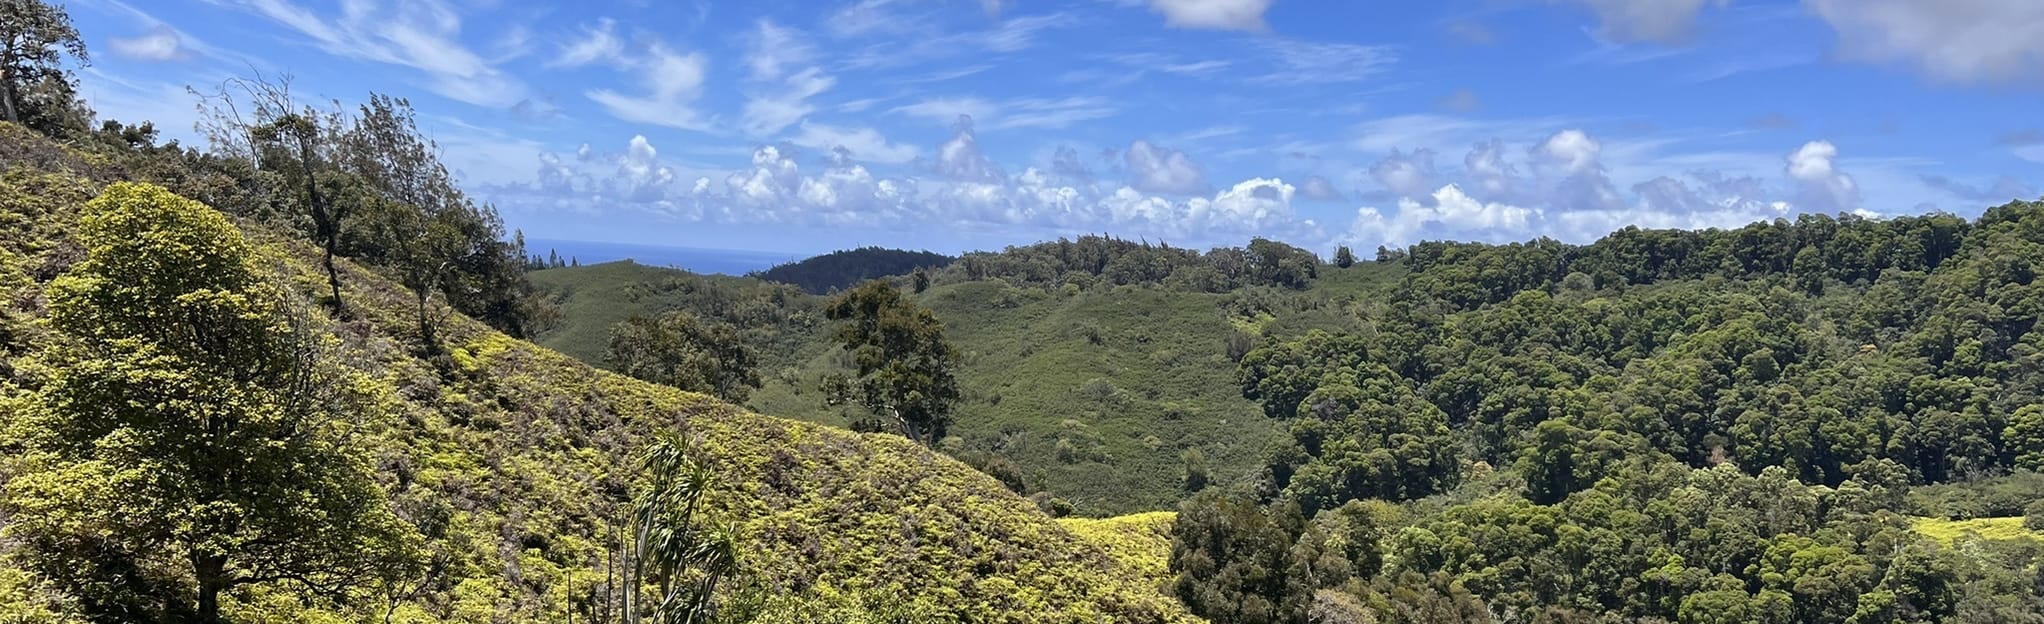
[
  {"x": 333, "y": 277},
  {"x": 7, "y": 89},
  {"x": 211, "y": 571},
  {"x": 325, "y": 220},
  {"x": 425, "y": 328}
]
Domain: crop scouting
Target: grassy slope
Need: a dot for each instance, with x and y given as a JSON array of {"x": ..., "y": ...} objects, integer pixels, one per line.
[
  {"x": 1991, "y": 529},
  {"x": 1141, "y": 542},
  {"x": 1102, "y": 424},
  {"x": 595, "y": 297},
  {"x": 521, "y": 455}
]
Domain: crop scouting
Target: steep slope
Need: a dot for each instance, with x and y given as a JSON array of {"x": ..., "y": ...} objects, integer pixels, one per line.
[{"x": 514, "y": 461}]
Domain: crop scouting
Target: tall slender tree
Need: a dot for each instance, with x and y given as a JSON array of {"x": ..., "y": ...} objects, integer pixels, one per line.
[{"x": 258, "y": 118}]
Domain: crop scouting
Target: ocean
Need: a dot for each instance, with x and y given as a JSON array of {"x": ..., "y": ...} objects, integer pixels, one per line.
[{"x": 698, "y": 260}]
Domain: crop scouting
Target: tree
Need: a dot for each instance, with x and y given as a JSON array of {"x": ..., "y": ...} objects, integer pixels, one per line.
[
  {"x": 682, "y": 351},
  {"x": 674, "y": 545},
  {"x": 1195, "y": 470},
  {"x": 1343, "y": 257},
  {"x": 904, "y": 365},
  {"x": 187, "y": 439},
  {"x": 2025, "y": 437},
  {"x": 1231, "y": 560},
  {"x": 403, "y": 184},
  {"x": 280, "y": 135},
  {"x": 35, "y": 36}
]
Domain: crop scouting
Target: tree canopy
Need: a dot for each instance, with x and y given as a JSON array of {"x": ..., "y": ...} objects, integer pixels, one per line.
[
  {"x": 189, "y": 437},
  {"x": 902, "y": 363}
]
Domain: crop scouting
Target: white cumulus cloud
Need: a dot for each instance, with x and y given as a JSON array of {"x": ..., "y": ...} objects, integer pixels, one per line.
[
  {"x": 1156, "y": 169},
  {"x": 1965, "y": 41},
  {"x": 1823, "y": 187}
]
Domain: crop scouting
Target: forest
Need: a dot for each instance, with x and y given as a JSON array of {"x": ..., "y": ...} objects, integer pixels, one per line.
[
  {"x": 299, "y": 375},
  {"x": 841, "y": 270}
]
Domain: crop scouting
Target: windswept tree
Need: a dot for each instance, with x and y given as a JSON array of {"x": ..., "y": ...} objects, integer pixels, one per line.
[
  {"x": 374, "y": 189},
  {"x": 415, "y": 222},
  {"x": 685, "y": 352},
  {"x": 35, "y": 90},
  {"x": 904, "y": 365},
  {"x": 188, "y": 437},
  {"x": 258, "y": 119}
]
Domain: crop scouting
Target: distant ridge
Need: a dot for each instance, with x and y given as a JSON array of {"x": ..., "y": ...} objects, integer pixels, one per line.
[{"x": 844, "y": 268}]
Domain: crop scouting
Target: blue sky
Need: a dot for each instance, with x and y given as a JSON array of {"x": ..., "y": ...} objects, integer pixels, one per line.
[{"x": 805, "y": 126}]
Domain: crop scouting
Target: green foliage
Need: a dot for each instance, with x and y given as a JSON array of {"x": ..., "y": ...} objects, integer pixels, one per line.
[
  {"x": 1025, "y": 365},
  {"x": 1104, "y": 260},
  {"x": 1140, "y": 542},
  {"x": 2025, "y": 438},
  {"x": 185, "y": 441},
  {"x": 1343, "y": 257},
  {"x": 512, "y": 462},
  {"x": 782, "y": 323},
  {"x": 1996, "y": 497},
  {"x": 681, "y": 553},
  {"x": 35, "y": 89},
  {"x": 681, "y": 351},
  {"x": 1231, "y": 559},
  {"x": 1649, "y": 543},
  {"x": 1992, "y": 529},
  {"x": 841, "y": 270},
  {"x": 904, "y": 365}
]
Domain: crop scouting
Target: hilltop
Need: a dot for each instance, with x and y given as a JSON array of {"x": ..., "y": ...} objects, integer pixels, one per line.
[{"x": 843, "y": 269}]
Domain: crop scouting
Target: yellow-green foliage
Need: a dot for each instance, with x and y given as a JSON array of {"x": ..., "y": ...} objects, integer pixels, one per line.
[
  {"x": 1991, "y": 529},
  {"x": 36, "y": 212},
  {"x": 514, "y": 462},
  {"x": 1141, "y": 542}
]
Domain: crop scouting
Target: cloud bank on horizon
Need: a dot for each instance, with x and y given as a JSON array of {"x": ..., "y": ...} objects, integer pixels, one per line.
[{"x": 961, "y": 124}]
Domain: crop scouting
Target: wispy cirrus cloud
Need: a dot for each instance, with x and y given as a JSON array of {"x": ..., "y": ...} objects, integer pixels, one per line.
[
  {"x": 424, "y": 35},
  {"x": 1031, "y": 112}
]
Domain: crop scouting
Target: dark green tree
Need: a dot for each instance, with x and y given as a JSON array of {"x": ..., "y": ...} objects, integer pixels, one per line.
[
  {"x": 903, "y": 363},
  {"x": 685, "y": 352},
  {"x": 1231, "y": 560},
  {"x": 1343, "y": 257},
  {"x": 35, "y": 89}
]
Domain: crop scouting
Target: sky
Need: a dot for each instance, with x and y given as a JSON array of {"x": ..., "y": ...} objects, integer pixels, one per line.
[{"x": 951, "y": 125}]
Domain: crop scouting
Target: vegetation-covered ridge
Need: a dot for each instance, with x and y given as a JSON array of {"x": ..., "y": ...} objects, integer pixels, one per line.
[
  {"x": 508, "y": 469},
  {"x": 843, "y": 269},
  {"x": 1071, "y": 385}
]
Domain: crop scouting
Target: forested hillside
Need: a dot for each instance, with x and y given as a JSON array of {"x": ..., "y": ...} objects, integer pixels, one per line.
[
  {"x": 1711, "y": 426},
  {"x": 839, "y": 270}
]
